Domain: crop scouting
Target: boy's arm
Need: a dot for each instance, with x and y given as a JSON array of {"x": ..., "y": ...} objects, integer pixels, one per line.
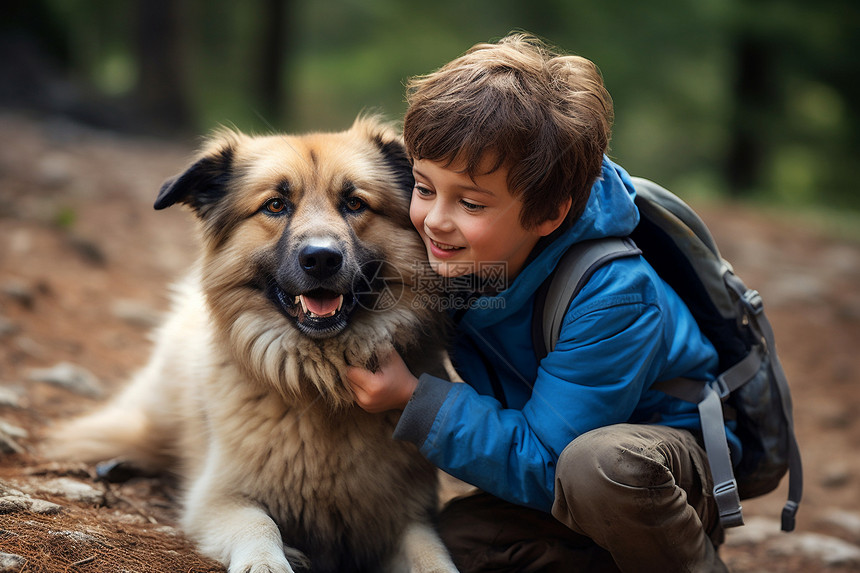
[{"x": 594, "y": 378}]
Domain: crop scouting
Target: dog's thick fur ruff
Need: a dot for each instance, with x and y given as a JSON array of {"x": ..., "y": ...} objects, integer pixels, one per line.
[{"x": 243, "y": 396}]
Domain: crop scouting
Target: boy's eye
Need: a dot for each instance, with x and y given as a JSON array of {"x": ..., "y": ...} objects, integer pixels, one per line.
[
  {"x": 423, "y": 191},
  {"x": 469, "y": 206}
]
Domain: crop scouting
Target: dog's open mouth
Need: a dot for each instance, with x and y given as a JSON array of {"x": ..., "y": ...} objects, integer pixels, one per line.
[{"x": 318, "y": 313}]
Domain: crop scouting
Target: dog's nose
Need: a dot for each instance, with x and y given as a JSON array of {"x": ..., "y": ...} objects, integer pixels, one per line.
[{"x": 320, "y": 262}]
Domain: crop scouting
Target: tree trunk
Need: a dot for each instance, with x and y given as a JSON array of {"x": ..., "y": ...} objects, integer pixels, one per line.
[
  {"x": 754, "y": 98},
  {"x": 161, "y": 89},
  {"x": 276, "y": 37}
]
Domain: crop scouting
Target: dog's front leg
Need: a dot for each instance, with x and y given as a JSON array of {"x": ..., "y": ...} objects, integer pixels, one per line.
[
  {"x": 423, "y": 552},
  {"x": 233, "y": 530}
]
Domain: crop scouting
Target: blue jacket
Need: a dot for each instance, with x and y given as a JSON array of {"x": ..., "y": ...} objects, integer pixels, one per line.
[{"x": 624, "y": 331}]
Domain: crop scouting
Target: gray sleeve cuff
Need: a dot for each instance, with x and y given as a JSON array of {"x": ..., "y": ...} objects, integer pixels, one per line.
[{"x": 421, "y": 410}]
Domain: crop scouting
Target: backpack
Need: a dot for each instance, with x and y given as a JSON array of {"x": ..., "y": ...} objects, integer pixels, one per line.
[{"x": 752, "y": 388}]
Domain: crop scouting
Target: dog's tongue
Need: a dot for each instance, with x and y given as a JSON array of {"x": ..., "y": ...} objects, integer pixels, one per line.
[{"x": 321, "y": 306}]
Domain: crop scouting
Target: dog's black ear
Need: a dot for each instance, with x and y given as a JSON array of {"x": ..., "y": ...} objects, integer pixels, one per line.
[
  {"x": 201, "y": 185},
  {"x": 390, "y": 144},
  {"x": 394, "y": 153},
  {"x": 395, "y": 156}
]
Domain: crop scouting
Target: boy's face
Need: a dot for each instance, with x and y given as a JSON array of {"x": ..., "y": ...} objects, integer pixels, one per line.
[{"x": 469, "y": 225}]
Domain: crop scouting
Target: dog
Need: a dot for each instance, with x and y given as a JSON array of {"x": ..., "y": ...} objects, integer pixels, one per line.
[{"x": 308, "y": 265}]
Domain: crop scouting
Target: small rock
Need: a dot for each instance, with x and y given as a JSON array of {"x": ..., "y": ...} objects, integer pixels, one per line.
[
  {"x": 20, "y": 292},
  {"x": 829, "y": 550},
  {"x": 20, "y": 243},
  {"x": 11, "y": 563},
  {"x": 72, "y": 490},
  {"x": 7, "y": 327},
  {"x": 15, "y": 503},
  {"x": 69, "y": 376},
  {"x": 836, "y": 417},
  {"x": 7, "y": 489},
  {"x": 89, "y": 251},
  {"x": 8, "y": 436},
  {"x": 840, "y": 259},
  {"x": 54, "y": 170},
  {"x": 845, "y": 520},
  {"x": 168, "y": 530},
  {"x": 9, "y": 397},
  {"x": 136, "y": 313},
  {"x": 15, "y": 431},
  {"x": 76, "y": 537},
  {"x": 8, "y": 445},
  {"x": 835, "y": 476},
  {"x": 756, "y": 530},
  {"x": 796, "y": 288},
  {"x": 29, "y": 346},
  {"x": 43, "y": 507},
  {"x": 60, "y": 469}
]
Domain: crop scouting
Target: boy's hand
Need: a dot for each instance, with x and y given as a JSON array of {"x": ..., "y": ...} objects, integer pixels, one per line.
[{"x": 389, "y": 388}]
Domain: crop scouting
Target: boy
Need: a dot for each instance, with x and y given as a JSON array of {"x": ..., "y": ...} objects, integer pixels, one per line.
[{"x": 580, "y": 463}]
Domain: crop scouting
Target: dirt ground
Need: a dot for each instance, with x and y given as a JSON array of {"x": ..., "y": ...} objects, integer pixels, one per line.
[{"x": 84, "y": 261}]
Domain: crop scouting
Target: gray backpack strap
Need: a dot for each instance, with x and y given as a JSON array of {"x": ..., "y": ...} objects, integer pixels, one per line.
[
  {"x": 709, "y": 397},
  {"x": 714, "y": 435},
  {"x": 572, "y": 272},
  {"x": 726, "y": 383},
  {"x": 761, "y": 326}
]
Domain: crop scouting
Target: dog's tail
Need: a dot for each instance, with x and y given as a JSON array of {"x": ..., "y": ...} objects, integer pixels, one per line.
[
  {"x": 147, "y": 423},
  {"x": 123, "y": 429}
]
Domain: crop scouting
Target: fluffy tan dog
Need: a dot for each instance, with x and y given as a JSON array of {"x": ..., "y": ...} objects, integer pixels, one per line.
[{"x": 308, "y": 264}]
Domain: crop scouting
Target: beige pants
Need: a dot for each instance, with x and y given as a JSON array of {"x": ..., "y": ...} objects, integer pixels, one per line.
[{"x": 627, "y": 497}]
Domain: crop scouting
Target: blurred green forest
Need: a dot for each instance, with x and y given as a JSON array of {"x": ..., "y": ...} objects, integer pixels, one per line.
[{"x": 753, "y": 98}]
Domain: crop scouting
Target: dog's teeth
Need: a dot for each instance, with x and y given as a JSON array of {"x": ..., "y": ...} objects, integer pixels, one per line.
[{"x": 311, "y": 314}]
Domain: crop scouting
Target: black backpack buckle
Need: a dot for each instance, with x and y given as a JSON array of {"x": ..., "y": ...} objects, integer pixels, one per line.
[{"x": 752, "y": 301}]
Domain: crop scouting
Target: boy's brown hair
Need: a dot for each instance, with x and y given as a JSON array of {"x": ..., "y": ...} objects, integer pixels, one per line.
[{"x": 545, "y": 116}]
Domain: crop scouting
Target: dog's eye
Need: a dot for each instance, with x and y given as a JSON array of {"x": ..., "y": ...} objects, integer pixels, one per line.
[
  {"x": 354, "y": 204},
  {"x": 275, "y": 206}
]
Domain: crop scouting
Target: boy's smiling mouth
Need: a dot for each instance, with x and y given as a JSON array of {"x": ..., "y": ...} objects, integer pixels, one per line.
[
  {"x": 439, "y": 250},
  {"x": 445, "y": 246}
]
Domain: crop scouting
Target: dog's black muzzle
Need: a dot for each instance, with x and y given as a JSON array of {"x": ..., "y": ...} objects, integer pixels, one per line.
[{"x": 313, "y": 285}]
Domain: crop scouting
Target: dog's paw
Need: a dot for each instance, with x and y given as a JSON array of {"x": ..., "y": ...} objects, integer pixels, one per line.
[
  {"x": 261, "y": 566},
  {"x": 368, "y": 357},
  {"x": 275, "y": 563},
  {"x": 372, "y": 363}
]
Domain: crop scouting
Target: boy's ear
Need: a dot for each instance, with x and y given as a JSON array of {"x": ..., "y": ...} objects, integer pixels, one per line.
[
  {"x": 550, "y": 225},
  {"x": 205, "y": 182}
]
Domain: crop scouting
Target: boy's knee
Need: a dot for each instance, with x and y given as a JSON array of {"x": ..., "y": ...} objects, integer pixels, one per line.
[
  {"x": 622, "y": 455},
  {"x": 611, "y": 470}
]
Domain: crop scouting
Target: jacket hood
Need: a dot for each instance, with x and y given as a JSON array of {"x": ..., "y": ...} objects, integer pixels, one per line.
[{"x": 610, "y": 212}]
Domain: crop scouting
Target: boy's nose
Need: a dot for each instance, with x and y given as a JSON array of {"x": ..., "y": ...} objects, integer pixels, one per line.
[{"x": 437, "y": 219}]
